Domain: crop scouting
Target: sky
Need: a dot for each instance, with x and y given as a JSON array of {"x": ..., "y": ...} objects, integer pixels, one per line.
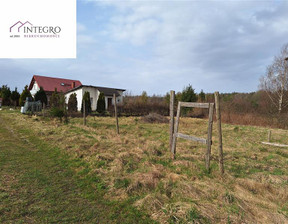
[{"x": 158, "y": 46}]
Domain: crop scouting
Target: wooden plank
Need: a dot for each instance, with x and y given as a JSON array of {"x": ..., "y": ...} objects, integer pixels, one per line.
[
  {"x": 84, "y": 113},
  {"x": 43, "y": 110},
  {"x": 219, "y": 128},
  {"x": 191, "y": 138},
  {"x": 175, "y": 131},
  {"x": 274, "y": 144},
  {"x": 209, "y": 136},
  {"x": 116, "y": 114},
  {"x": 197, "y": 105},
  {"x": 172, "y": 100}
]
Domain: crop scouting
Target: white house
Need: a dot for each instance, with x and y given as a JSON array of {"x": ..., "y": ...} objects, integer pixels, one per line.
[
  {"x": 68, "y": 87},
  {"x": 50, "y": 84},
  {"x": 94, "y": 92}
]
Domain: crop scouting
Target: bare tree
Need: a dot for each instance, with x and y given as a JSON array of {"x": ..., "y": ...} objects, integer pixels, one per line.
[{"x": 275, "y": 81}]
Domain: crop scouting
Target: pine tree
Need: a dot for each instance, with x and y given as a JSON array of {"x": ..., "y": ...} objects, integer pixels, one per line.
[
  {"x": 101, "y": 103},
  {"x": 5, "y": 94},
  {"x": 188, "y": 94},
  {"x": 72, "y": 103},
  {"x": 202, "y": 96},
  {"x": 15, "y": 97},
  {"x": 26, "y": 93},
  {"x": 86, "y": 98},
  {"x": 41, "y": 95}
]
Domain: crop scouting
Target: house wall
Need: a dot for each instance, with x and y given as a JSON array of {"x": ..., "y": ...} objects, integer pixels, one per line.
[
  {"x": 34, "y": 89},
  {"x": 119, "y": 99},
  {"x": 79, "y": 96},
  {"x": 94, "y": 95}
]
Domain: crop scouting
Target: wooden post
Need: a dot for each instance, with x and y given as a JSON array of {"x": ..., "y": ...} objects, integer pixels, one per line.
[
  {"x": 43, "y": 109},
  {"x": 116, "y": 115},
  {"x": 175, "y": 131},
  {"x": 84, "y": 113},
  {"x": 209, "y": 136},
  {"x": 172, "y": 100},
  {"x": 269, "y": 136},
  {"x": 218, "y": 119}
]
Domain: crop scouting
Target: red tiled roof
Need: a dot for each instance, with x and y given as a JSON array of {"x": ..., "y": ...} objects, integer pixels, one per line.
[{"x": 50, "y": 83}]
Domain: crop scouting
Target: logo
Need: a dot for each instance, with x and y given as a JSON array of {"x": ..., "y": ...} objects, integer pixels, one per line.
[
  {"x": 19, "y": 24},
  {"x": 27, "y": 30}
]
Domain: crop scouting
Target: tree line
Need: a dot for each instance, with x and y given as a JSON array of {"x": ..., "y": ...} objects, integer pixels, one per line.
[{"x": 267, "y": 106}]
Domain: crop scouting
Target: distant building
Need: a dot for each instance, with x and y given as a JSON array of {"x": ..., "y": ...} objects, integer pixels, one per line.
[
  {"x": 50, "y": 84},
  {"x": 94, "y": 92},
  {"x": 69, "y": 86}
]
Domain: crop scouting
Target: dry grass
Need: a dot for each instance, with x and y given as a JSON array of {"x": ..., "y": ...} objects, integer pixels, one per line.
[
  {"x": 155, "y": 118},
  {"x": 137, "y": 164}
]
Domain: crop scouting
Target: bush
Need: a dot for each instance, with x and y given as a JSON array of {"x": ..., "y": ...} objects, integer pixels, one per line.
[
  {"x": 155, "y": 118},
  {"x": 57, "y": 112},
  {"x": 58, "y": 107}
]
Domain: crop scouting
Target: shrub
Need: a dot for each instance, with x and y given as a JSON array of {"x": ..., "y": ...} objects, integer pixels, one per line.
[
  {"x": 155, "y": 118},
  {"x": 58, "y": 107},
  {"x": 57, "y": 112}
]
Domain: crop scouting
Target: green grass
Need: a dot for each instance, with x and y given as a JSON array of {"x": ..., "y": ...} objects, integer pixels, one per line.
[
  {"x": 38, "y": 184},
  {"x": 127, "y": 176}
]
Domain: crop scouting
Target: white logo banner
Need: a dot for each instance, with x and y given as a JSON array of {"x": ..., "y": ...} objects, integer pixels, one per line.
[{"x": 38, "y": 29}]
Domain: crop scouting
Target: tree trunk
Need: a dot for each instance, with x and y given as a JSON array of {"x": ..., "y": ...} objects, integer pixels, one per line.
[{"x": 280, "y": 104}]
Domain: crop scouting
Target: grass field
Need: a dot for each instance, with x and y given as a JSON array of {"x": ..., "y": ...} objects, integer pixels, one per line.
[{"x": 53, "y": 172}]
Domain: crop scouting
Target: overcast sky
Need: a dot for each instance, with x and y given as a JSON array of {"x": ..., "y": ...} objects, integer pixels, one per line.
[{"x": 159, "y": 46}]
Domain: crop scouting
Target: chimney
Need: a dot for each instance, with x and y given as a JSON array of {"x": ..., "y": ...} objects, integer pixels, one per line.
[{"x": 73, "y": 85}]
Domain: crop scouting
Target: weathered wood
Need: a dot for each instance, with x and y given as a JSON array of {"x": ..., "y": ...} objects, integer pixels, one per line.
[
  {"x": 172, "y": 100},
  {"x": 274, "y": 144},
  {"x": 43, "y": 110},
  {"x": 209, "y": 136},
  {"x": 197, "y": 105},
  {"x": 84, "y": 113},
  {"x": 191, "y": 138},
  {"x": 116, "y": 115},
  {"x": 269, "y": 136},
  {"x": 175, "y": 131},
  {"x": 219, "y": 128}
]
